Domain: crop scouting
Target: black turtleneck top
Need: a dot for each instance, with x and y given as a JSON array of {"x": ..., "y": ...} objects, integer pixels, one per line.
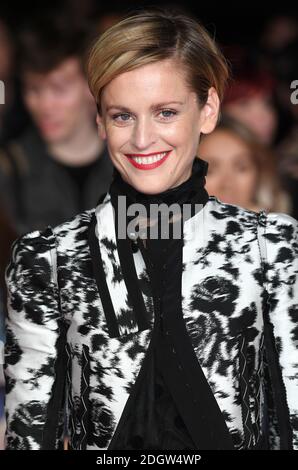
[{"x": 161, "y": 410}]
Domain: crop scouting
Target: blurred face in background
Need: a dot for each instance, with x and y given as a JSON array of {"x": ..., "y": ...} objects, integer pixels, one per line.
[
  {"x": 152, "y": 122},
  {"x": 257, "y": 113},
  {"x": 59, "y": 101},
  {"x": 232, "y": 173}
]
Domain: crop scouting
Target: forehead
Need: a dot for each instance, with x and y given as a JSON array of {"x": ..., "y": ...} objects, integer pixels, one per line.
[
  {"x": 224, "y": 142},
  {"x": 159, "y": 81}
]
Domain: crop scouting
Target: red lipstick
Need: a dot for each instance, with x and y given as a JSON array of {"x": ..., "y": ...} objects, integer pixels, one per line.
[{"x": 147, "y": 166}]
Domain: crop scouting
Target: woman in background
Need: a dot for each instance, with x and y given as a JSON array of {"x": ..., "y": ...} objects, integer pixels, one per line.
[{"x": 241, "y": 170}]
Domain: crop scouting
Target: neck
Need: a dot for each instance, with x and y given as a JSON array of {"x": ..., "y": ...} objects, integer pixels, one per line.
[
  {"x": 183, "y": 201},
  {"x": 81, "y": 148}
]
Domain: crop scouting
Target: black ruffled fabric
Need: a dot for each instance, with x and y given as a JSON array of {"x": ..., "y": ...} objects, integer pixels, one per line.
[
  {"x": 191, "y": 191},
  {"x": 153, "y": 421}
]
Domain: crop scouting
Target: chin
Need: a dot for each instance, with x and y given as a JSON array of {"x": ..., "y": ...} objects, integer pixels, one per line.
[
  {"x": 53, "y": 134},
  {"x": 53, "y": 137}
]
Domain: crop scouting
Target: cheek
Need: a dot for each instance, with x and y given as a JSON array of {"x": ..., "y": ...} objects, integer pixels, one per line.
[
  {"x": 271, "y": 119},
  {"x": 183, "y": 132},
  {"x": 31, "y": 102},
  {"x": 69, "y": 102},
  {"x": 212, "y": 183},
  {"x": 116, "y": 137},
  {"x": 72, "y": 100},
  {"x": 248, "y": 181},
  {"x": 184, "y": 137}
]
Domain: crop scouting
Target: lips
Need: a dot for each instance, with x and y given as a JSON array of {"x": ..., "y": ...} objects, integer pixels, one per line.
[{"x": 148, "y": 161}]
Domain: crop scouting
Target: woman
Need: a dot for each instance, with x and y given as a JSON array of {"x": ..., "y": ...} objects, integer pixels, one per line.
[
  {"x": 241, "y": 170},
  {"x": 154, "y": 342}
]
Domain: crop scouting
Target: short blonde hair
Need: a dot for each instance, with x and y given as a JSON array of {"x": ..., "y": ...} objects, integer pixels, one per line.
[{"x": 151, "y": 36}]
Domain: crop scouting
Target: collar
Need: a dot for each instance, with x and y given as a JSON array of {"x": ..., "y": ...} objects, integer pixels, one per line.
[{"x": 192, "y": 190}]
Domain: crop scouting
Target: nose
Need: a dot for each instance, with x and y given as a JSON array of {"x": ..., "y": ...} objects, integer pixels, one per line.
[
  {"x": 143, "y": 135},
  {"x": 46, "y": 102}
]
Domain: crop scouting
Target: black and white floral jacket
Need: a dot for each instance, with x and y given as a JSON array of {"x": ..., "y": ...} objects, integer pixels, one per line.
[{"x": 75, "y": 346}]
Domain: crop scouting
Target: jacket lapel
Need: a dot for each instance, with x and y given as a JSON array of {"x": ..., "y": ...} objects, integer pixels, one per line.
[
  {"x": 127, "y": 309},
  {"x": 125, "y": 313}
]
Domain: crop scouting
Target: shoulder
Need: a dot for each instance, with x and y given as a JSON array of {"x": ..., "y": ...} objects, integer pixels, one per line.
[
  {"x": 14, "y": 159},
  {"x": 277, "y": 233},
  {"x": 73, "y": 233},
  {"x": 221, "y": 209},
  {"x": 32, "y": 243},
  {"x": 282, "y": 224},
  {"x": 36, "y": 251},
  {"x": 272, "y": 221},
  {"x": 31, "y": 254},
  {"x": 280, "y": 232},
  {"x": 71, "y": 230},
  {"x": 233, "y": 219},
  {"x": 280, "y": 236}
]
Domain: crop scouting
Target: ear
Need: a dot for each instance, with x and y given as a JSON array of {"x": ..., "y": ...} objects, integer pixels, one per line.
[
  {"x": 101, "y": 127},
  {"x": 210, "y": 112}
]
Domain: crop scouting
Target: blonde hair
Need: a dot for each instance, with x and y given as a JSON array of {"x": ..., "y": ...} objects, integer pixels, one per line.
[{"x": 151, "y": 36}]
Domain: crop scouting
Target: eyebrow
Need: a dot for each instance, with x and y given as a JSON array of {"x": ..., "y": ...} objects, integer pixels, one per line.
[{"x": 154, "y": 106}]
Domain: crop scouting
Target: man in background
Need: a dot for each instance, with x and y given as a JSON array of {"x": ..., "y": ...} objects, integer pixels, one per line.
[{"x": 59, "y": 166}]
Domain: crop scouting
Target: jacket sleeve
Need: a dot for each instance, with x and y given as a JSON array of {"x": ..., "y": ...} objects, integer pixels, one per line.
[
  {"x": 33, "y": 337},
  {"x": 281, "y": 270}
]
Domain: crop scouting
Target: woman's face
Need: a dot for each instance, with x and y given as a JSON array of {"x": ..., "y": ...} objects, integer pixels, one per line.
[
  {"x": 232, "y": 174},
  {"x": 152, "y": 123}
]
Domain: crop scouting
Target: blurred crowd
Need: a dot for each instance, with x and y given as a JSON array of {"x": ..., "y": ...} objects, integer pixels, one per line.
[{"x": 53, "y": 164}]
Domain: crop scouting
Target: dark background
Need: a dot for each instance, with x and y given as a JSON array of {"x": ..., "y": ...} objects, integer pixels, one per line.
[{"x": 231, "y": 21}]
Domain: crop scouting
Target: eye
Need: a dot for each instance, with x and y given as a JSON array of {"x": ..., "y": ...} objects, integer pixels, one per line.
[
  {"x": 118, "y": 117},
  {"x": 243, "y": 168},
  {"x": 168, "y": 113},
  {"x": 59, "y": 89},
  {"x": 31, "y": 89}
]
